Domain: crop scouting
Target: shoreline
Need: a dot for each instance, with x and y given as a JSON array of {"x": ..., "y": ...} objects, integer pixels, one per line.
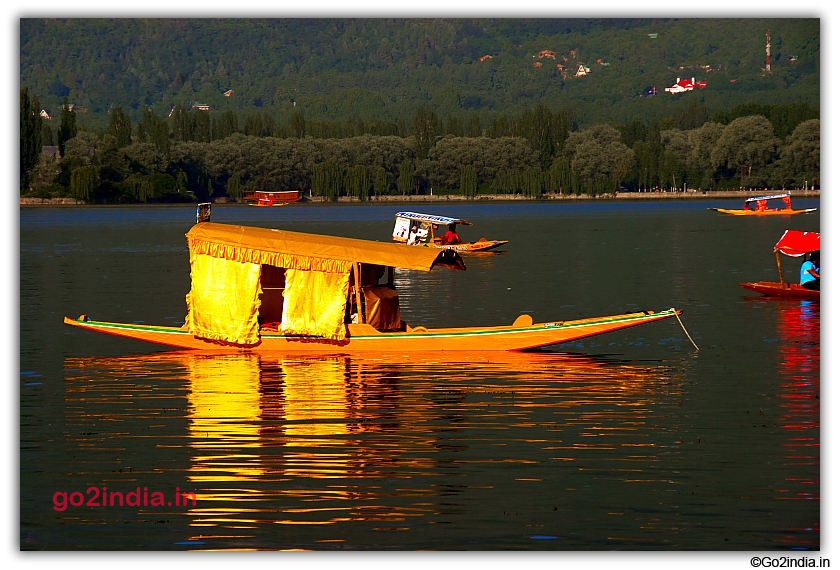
[{"x": 688, "y": 195}]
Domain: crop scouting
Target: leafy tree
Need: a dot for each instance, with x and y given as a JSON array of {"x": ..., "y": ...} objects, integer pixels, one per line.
[
  {"x": 800, "y": 156},
  {"x": 488, "y": 157},
  {"x": 82, "y": 147},
  {"x": 380, "y": 181},
  {"x": 598, "y": 153},
  {"x": 405, "y": 181},
  {"x": 358, "y": 182},
  {"x": 745, "y": 144},
  {"x": 533, "y": 182},
  {"x": 326, "y": 180},
  {"x": 234, "y": 187},
  {"x": 83, "y": 182},
  {"x": 145, "y": 158},
  {"x": 702, "y": 142},
  {"x": 163, "y": 186},
  {"x": 141, "y": 187},
  {"x": 469, "y": 181}
]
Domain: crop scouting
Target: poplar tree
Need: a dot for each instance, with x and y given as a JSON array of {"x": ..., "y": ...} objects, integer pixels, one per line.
[
  {"x": 67, "y": 130},
  {"x": 120, "y": 127},
  {"x": 426, "y": 129},
  {"x": 30, "y": 137}
]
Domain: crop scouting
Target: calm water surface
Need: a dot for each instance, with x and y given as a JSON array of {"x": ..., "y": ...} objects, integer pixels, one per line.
[{"x": 628, "y": 441}]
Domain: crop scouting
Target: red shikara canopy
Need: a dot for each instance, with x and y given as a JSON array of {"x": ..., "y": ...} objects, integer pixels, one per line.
[{"x": 795, "y": 243}]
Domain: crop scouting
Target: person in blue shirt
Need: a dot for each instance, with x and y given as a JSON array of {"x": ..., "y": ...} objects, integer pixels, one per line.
[{"x": 809, "y": 273}]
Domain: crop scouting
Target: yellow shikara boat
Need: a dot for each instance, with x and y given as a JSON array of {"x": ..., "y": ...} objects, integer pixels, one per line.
[
  {"x": 758, "y": 207},
  {"x": 419, "y": 229},
  {"x": 265, "y": 290}
]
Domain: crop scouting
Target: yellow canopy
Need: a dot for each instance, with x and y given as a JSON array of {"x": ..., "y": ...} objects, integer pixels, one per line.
[{"x": 296, "y": 250}]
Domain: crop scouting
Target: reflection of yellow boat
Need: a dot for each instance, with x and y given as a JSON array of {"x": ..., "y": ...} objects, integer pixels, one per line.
[
  {"x": 419, "y": 229},
  {"x": 268, "y": 290},
  {"x": 758, "y": 207}
]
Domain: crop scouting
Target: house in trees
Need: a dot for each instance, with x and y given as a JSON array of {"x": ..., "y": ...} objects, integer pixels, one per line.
[
  {"x": 228, "y": 93},
  {"x": 547, "y": 53},
  {"x": 45, "y": 115},
  {"x": 681, "y": 86},
  {"x": 582, "y": 70},
  {"x": 50, "y": 152},
  {"x": 485, "y": 57},
  {"x": 200, "y": 106},
  {"x": 537, "y": 64}
]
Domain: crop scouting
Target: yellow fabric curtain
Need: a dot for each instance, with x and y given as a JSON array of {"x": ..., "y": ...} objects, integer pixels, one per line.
[
  {"x": 224, "y": 301},
  {"x": 314, "y": 303}
]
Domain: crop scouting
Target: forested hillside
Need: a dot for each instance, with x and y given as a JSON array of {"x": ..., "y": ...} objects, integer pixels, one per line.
[
  {"x": 382, "y": 70},
  {"x": 172, "y": 110}
]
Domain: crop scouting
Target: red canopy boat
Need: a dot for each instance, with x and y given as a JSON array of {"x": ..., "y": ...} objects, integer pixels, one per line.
[{"x": 794, "y": 244}]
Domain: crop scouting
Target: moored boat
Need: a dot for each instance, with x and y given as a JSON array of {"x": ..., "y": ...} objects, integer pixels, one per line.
[
  {"x": 419, "y": 229},
  {"x": 793, "y": 244},
  {"x": 260, "y": 198},
  {"x": 758, "y": 207},
  {"x": 265, "y": 290}
]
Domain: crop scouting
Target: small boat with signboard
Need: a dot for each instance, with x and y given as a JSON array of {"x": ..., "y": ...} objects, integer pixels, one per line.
[
  {"x": 265, "y": 290},
  {"x": 794, "y": 244},
  {"x": 758, "y": 207},
  {"x": 419, "y": 229}
]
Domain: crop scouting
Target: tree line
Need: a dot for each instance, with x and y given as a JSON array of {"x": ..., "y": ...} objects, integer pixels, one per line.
[{"x": 200, "y": 155}]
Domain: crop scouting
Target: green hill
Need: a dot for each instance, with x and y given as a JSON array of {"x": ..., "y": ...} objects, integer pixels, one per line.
[{"x": 384, "y": 69}]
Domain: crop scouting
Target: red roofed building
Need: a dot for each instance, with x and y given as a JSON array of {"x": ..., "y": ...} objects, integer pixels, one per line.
[
  {"x": 547, "y": 53},
  {"x": 485, "y": 57},
  {"x": 681, "y": 86},
  {"x": 537, "y": 64}
]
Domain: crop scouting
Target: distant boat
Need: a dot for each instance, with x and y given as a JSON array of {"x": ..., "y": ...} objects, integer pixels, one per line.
[
  {"x": 419, "y": 229},
  {"x": 758, "y": 207},
  {"x": 260, "y": 198},
  {"x": 794, "y": 244}
]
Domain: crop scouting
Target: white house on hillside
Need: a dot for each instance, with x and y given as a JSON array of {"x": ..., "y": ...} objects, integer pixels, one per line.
[{"x": 681, "y": 86}]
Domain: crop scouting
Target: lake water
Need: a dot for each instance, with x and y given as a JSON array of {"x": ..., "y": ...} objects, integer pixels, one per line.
[{"x": 631, "y": 440}]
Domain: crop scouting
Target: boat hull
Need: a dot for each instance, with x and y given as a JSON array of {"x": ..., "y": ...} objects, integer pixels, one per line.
[
  {"x": 470, "y": 247},
  {"x": 775, "y": 289},
  {"x": 522, "y": 335},
  {"x": 763, "y": 213}
]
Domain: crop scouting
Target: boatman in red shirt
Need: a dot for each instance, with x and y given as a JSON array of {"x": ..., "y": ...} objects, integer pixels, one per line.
[{"x": 451, "y": 237}]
